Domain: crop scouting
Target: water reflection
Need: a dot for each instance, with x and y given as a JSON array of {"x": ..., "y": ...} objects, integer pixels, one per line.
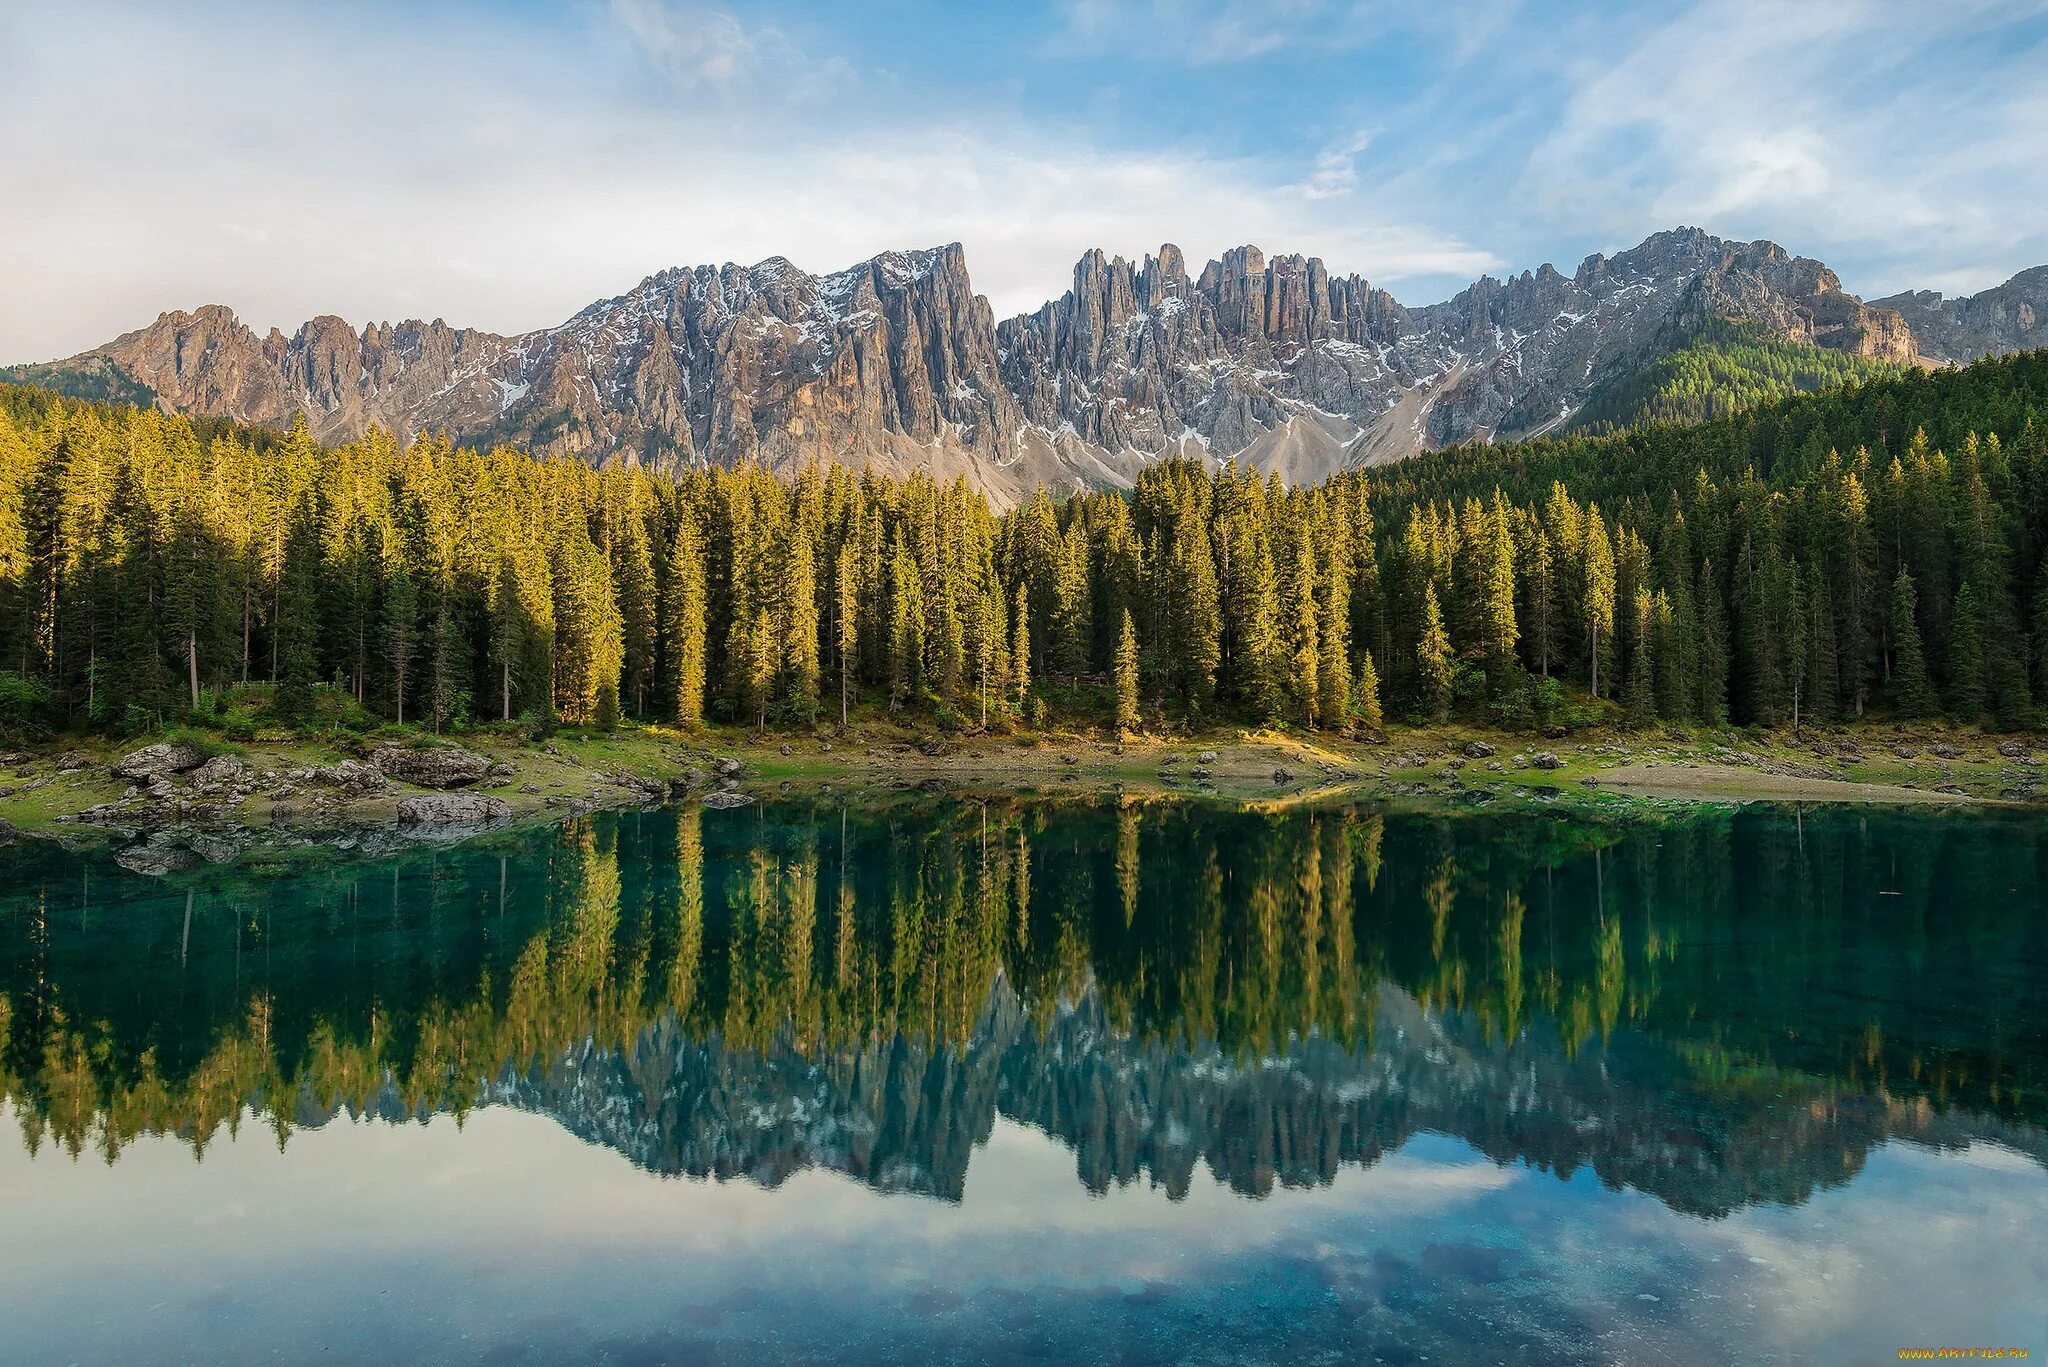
[{"x": 1718, "y": 1011}]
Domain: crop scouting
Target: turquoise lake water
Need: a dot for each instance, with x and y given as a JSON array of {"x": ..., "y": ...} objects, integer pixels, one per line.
[{"x": 1059, "y": 1081}]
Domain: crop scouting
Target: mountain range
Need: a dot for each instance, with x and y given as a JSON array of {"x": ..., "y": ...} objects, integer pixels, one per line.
[{"x": 897, "y": 363}]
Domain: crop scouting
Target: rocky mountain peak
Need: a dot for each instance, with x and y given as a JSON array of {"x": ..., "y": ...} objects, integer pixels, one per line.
[{"x": 895, "y": 361}]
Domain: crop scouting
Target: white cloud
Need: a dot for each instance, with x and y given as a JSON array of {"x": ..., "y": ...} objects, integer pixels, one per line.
[
  {"x": 1336, "y": 168},
  {"x": 700, "y": 47},
  {"x": 303, "y": 173},
  {"x": 1857, "y": 126},
  {"x": 1217, "y": 32}
]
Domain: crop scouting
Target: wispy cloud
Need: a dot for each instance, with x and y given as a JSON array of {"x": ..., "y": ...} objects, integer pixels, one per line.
[
  {"x": 381, "y": 161},
  {"x": 1894, "y": 127},
  {"x": 701, "y": 47},
  {"x": 1219, "y": 32},
  {"x": 1336, "y": 167}
]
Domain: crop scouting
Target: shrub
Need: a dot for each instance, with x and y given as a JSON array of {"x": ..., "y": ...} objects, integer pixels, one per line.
[{"x": 28, "y": 710}]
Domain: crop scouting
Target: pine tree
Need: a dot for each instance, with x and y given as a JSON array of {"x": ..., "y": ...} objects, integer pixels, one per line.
[
  {"x": 1599, "y": 594},
  {"x": 1333, "y": 657},
  {"x": 1498, "y": 628},
  {"x": 1302, "y": 630},
  {"x": 846, "y": 591},
  {"x": 1067, "y": 651},
  {"x": 1639, "y": 694},
  {"x": 401, "y": 623},
  {"x": 682, "y": 625},
  {"x": 1020, "y": 649},
  {"x": 297, "y": 629},
  {"x": 800, "y": 628},
  {"x": 1823, "y": 690},
  {"x": 1966, "y": 655},
  {"x": 762, "y": 657},
  {"x": 906, "y": 629},
  {"x": 1433, "y": 659},
  {"x": 1126, "y": 678},
  {"x": 1365, "y": 695},
  {"x": 1911, "y": 694}
]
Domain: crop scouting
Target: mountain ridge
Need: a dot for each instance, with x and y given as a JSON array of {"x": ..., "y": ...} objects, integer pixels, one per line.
[{"x": 897, "y": 362}]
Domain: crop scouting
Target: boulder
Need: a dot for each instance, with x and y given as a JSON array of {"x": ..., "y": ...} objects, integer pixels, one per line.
[
  {"x": 159, "y": 761},
  {"x": 452, "y": 809},
  {"x": 441, "y": 767},
  {"x": 2012, "y": 749},
  {"x": 218, "y": 770},
  {"x": 727, "y": 768},
  {"x": 1478, "y": 749},
  {"x": 1543, "y": 759},
  {"x": 1944, "y": 752},
  {"x": 351, "y": 776},
  {"x": 1206, "y": 757}
]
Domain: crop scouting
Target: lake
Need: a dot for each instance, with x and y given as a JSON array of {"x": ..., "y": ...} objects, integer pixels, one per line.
[{"x": 1038, "y": 1081}]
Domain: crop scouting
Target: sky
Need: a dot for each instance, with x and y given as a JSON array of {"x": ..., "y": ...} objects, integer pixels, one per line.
[{"x": 503, "y": 164}]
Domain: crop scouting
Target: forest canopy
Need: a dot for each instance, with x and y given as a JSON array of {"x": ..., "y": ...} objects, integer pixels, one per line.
[{"x": 1876, "y": 547}]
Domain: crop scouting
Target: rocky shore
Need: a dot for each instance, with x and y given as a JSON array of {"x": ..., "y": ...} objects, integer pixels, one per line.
[{"x": 178, "y": 803}]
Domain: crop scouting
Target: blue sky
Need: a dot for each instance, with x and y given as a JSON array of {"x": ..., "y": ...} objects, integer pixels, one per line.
[{"x": 503, "y": 164}]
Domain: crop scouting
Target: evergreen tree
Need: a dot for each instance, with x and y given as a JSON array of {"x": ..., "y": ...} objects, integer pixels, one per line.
[
  {"x": 1599, "y": 596},
  {"x": 682, "y": 625},
  {"x": 800, "y": 628},
  {"x": 401, "y": 623},
  {"x": 1639, "y": 695},
  {"x": 1020, "y": 650},
  {"x": 1126, "y": 678},
  {"x": 1911, "y": 694},
  {"x": 1966, "y": 655},
  {"x": 297, "y": 629},
  {"x": 846, "y": 597},
  {"x": 1365, "y": 695},
  {"x": 1433, "y": 659}
]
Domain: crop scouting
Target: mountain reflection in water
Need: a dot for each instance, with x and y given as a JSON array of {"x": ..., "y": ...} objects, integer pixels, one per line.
[{"x": 1717, "y": 1011}]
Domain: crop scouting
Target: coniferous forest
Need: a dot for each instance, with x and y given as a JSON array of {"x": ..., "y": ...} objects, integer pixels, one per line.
[{"x": 1876, "y": 549}]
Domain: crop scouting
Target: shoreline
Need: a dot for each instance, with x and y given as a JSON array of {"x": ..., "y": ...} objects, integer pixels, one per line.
[{"x": 334, "y": 794}]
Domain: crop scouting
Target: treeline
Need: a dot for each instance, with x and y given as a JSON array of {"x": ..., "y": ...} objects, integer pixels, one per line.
[
  {"x": 1721, "y": 370},
  {"x": 1879, "y": 547}
]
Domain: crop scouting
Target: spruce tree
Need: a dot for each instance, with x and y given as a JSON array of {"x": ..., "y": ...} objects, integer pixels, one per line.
[
  {"x": 1433, "y": 659},
  {"x": 1598, "y": 610},
  {"x": 1639, "y": 694},
  {"x": 846, "y": 597},
  {"x": 800, "y": 627},
  {"x": 682, "y": 625},
  {"x": 400, "y": 627},
  {"x": 1911, "y": 694},
  {"x": 1365, "y": 695},
  {"x": 1020, "y": 649},
  {"x": 1966, "y": 653},
  {"x": 1126, "y": 677}
]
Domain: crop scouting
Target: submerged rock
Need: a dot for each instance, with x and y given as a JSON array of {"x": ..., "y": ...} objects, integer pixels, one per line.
[
  {"x": 725, "y": 797},
  {"x": 453, "y": 809}
]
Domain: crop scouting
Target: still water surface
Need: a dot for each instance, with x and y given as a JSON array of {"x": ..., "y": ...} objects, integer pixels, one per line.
[{"x": 1038, "y": 1082}]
